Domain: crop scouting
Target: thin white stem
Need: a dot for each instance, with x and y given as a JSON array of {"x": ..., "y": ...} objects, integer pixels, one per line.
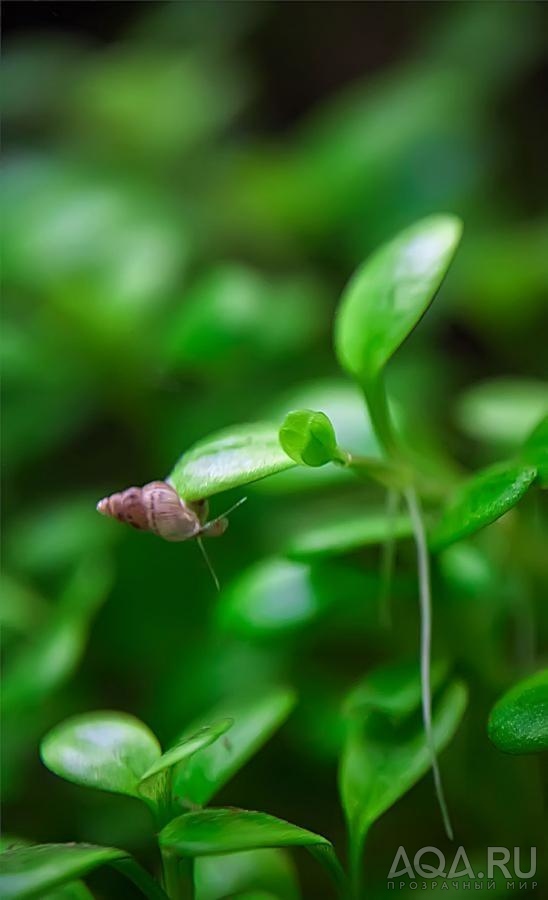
[
  {"x": 423, "y": 564},
  {"x": 208, "y": 563},
  {"x": 388, "y": 557}
]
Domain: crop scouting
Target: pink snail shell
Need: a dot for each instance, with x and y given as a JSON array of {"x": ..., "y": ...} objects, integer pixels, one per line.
[{"x": 157, "y": 507}]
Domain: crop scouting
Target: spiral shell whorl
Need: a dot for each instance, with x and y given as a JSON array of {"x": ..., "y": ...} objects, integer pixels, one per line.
[{"x": 155, "y": 507}]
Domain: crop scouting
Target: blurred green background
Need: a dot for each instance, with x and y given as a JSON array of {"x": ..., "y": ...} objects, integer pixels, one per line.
[{"x": 187, "y": 187}]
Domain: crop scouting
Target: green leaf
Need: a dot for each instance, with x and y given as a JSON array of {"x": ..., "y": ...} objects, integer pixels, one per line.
[
  {"x": 179, "y": 753},
  {"x": 390, "y": 293},
  {"x": 381, "y": 761},
  {"x": 228, "y": 459},
  {"x": 54, "y": 651},
  {"x": 255, "y": 720},
  {"x": 502, "y": 410},
  {"x": 535, "y": 451},
  {"x": 253, "y": 870},
  {"x": 481, "y": 500},
  {"x": 342, "y": 402},
  {"x": 216, "y": 831},
  {"x": 33, "y": 871},
  {"x": 309, "y": 439},
  {"x": 394, "y": 689},
  {"x": 110, "y": 751},
  {"x": 276, "y": 597},
  {"x": 346, "y": 533},
  {"x": 519, "y": 720}
]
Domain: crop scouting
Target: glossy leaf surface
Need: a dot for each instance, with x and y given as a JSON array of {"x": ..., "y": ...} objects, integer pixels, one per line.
[
  {"x": 255, "y": 720},
  {"x": 519, "y": 720},
  {"x": 481, "y": 500},
  {"x": 308, "y": 438},
  {"x": 33, "y": 871},
  {"x": 535, "y": 451},
  {"x": 110, "y": 751},
  {"x": 345, "y": 534},
  {"x": 502, "y": 410},
  {"x": 390, "y": 293},
  {"x": 277, "y": 597},
  {"x": 212, "y": 831},
  {"x": 228, "y": 459},
  {"x": 381, "y": 761},
  {"x": 186, "y": 747}
]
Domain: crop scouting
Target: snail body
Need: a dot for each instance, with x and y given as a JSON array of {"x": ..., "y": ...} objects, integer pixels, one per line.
[{"x": 157, "y": 507}]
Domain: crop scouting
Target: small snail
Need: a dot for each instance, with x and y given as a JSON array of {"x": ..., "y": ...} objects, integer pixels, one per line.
[{"x": 157, "y": 507}]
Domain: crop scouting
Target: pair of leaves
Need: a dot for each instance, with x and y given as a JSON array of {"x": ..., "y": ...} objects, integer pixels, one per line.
[
  {"x": 491, "y": 493},
  {"x": 519, "y": 720},
  {"x": 247, "y": 453},
  {"x": 35, "y": 871},
  {"x": 117, "y": 752},
  {"x": 381, "y": 306},
  {"x": 386, "y": 750}
]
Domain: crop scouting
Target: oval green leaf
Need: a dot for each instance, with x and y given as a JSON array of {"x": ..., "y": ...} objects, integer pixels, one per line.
[
  {"x": 347, "y": 533},
  {"x": 255, "y": 720},
  {"x": 394, "y": 689},
  {"x": 33, "y": 871},
  {"x": 277, "y": 597},
  {"x": 502, "y": 410},
  {"x": 150, "y": 784},
  {"x": 381, "y": 761},
  {"x": 212, "y": 831},
  {"x": 481, "y": 500},
  {"x": 217, "y": 831},
  {"x": 519, "y": 720},
  {"x": 342, "y": 401},
  {"x": 228, "y": 459},
  {"x": 390, "y": 293},
  {"x": 535, "y": 451},
  {"x": 309, "y": 439},
  {"x": 109, "y": 751}
]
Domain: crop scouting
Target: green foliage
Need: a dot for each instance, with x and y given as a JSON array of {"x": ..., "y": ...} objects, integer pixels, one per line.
[
  {"x": 32, "y": 871},
  {"x": 308, "y": 438},
  {"x": 394, "y": 690},
  {"x": 519, "y": 720},
  {"x": 483, "y": 499},
  {"x": 382, "y": 760},
  {"x": 256, "y": 870},
  {"x": 177, "y": 230},
  {"x": 106, "y": 750},
  {"x": 278, "y": 597},
  {"x": 502, "y": 411},
  {"x": 348, "y": 531},
  {"x": 231, "y": 458},
  {"x": 535, "y": 451},
  {"x": 388, "y": 296},
  {"x": 255, "y": 720},
  {"x": 213, "y": 831}
]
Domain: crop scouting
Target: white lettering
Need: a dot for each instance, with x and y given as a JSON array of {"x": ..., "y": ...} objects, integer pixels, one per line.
[{"x": 428, "y": 871}]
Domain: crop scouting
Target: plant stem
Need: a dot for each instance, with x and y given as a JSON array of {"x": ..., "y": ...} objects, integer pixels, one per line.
[
  {"x": 387, "y": 558},
  {"x": 140, "y": 877},
  {"x": 177, "y": 887},
  {"x": 355, "y": 864},
  {"x": 377, "y": 402},
  {"x": 423, "y": 563}
]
